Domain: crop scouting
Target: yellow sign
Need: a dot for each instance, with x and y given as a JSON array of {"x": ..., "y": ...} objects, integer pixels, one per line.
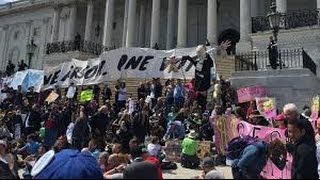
[{"x": 86, "y": 95}]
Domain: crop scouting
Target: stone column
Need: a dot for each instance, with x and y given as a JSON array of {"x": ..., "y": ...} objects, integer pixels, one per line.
[
  {"x": 72, "y": 23},
  {"x": 182, "y": 24},
  {"x": 155, "y": 22},
  {"x": 171, "y": 24},
  {"x": 28, "y": 35},
  {"x": 55, "y": 24},
  {"x": 142, "y": 23},
  {"x": 318, "y": 4},
  {"x": 244, "y": 44},
  {"x": 131, "y": 24},
  {"x": 125, "y": 23},
  {"x": 245, "y": 20},
  {"x": 89, "y": 20},
  {"x": 212, "y": 24},
  {"x": 108, "y": 21},
  {"x": 281, "y": 6},
  {"x": 255, "y": 8},
  {"x": 5, "y": 38},
  {"x": 42, "y": 52}
]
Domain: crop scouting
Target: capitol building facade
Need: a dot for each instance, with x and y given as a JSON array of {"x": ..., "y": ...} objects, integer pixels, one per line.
[{"x": 47, "y": 32}]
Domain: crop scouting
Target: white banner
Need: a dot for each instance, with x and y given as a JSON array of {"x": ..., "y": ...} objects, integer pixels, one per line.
[{"x": 122, "y": 63}]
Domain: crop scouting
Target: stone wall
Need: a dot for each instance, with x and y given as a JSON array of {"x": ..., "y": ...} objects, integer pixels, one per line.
[
  {"x": 287, "y": 86},
  {"x": 307, "y": 38}
]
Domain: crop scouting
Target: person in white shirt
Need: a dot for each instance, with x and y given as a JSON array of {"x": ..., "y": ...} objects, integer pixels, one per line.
[
  {"x": 154, "y": 147},
  {"x": 122, "y": 97}
]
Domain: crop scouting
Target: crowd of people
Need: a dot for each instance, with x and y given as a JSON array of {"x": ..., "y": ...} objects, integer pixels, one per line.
[{"x": 118, "y": 136}]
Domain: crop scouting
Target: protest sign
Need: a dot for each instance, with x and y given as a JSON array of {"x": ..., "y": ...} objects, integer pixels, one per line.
[
  {"x": 204, "y": 148},
  {"x": 315, "y": 107},
  {"x": 86, "y": 95},
  {"x": 173, "y": 150},
  {"x": 123, "y": 63},
  {"x": 52, "y": 97},
  {"x": 250, "y": 93},
  {"x": 28, "y": 78},
  {"x": 267, "y": 106},
  {"x": 225, "y": 128},
  {"x": 267, "y": 134}
]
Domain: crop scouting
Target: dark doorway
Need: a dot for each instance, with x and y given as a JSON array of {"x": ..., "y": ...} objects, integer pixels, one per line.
[{"x": 233, "y": 36}]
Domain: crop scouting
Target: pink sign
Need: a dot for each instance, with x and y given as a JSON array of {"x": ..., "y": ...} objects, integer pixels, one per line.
[
  {"x": 250, "y": 93},
  {"x": 227, "y": 128}
]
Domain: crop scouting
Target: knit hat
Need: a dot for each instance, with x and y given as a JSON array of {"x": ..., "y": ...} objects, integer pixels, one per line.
[{"x": 67, "y": 164}]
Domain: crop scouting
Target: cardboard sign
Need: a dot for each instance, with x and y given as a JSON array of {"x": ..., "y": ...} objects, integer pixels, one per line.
[
  {"x": 267, "y": 107},
  {"x": 250, "y": 93},
  {"x": 204, "y": 148},
  {"x": 173, "y": 150},
  {"x": 52, "y": 97}
]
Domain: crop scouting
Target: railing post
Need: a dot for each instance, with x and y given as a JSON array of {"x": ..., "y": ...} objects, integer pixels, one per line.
[
  {"x": 255, "y": 61},
  {"x": 280, "y": 59}
]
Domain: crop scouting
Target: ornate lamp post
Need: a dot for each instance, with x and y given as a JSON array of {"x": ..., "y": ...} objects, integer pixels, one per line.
[
  {"x": 274, "y": 18},
  {"x": 31, "y": 48}
]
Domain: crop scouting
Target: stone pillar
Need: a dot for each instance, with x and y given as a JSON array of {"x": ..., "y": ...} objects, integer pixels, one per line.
[
  {"x": 130, "y": 42},
  {"x": 125, "y": 23},
  {"x": 245, "y": 20},
  {"x": 155, "y": 23},
  {"x": 28, "y": 38},
  {"x": 182, "y": 23},
  {"x": 43, "y": 49},
  {"x": 5, "y": 38},
  {"x": 108, "y": 21},
  {"x": 281, "y": 6},
  {"x": 318, "y": 4},
  {"x": 55, "y": 24},
  {"x": 245, "y": 26},
  {"x": 72, "y": 23},
  {"x": 142, "y": 23},
  {"x": 255, "y": 8},
  {"x": 89, "y": 20},
  {"x": 171, "y": 24},
  {"x": 212, "y": 24}
]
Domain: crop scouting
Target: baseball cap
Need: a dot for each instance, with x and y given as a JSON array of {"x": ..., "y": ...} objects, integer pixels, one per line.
[
  {"x": 214, "y": 174},
  {"x": 67, "y": 164},
  {"x": 208, "y": 162},
  {"x": 280, "y": 117}
]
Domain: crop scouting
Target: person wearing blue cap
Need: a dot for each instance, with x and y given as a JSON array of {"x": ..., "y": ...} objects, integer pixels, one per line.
[{"x": 67, "y": 164}]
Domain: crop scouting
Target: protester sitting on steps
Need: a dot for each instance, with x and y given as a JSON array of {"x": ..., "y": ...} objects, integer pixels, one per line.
[{"x": 189, "y": 145}]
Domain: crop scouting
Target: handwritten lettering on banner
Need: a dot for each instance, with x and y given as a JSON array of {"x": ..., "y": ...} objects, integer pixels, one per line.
[
  {"x": 315, "y": 107},
  {"x": 122, "y": 63},
  {"x": 250, "y": 93},
  {"x": 267, "y": 106},
  {"x": 225, "y": 128},
  {"x": 266, "y": 134}
]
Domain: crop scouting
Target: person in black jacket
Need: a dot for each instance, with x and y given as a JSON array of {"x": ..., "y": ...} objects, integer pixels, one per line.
[
  {"x": 304, "y": 164},
  {"x": 5, "y": 172},
  {"x": 81, "y": 131}
]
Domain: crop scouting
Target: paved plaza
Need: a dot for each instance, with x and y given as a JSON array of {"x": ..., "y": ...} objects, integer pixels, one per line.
[{"x": 183, "y": 173}]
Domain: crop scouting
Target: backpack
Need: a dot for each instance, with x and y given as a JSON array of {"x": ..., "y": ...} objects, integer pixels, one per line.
[{"x": 238, "y": 144}]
